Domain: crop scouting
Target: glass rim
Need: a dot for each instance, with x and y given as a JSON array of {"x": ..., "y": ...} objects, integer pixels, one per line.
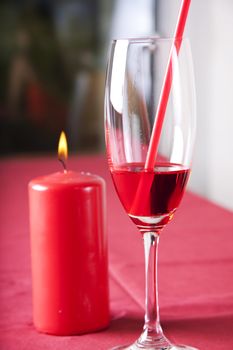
[{"x": 150, "y": 38}]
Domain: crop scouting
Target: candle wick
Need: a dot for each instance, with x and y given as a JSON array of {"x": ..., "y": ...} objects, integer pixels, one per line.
[{"x": 63, "y": 164}]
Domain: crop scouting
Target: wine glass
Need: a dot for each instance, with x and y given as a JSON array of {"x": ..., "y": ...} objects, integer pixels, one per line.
[{"x": 150, "y": 190}]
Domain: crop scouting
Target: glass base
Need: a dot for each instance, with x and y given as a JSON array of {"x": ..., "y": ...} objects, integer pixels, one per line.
[
  {"x": 169, "y": 347},
  {"x": 157, "y": 342}
]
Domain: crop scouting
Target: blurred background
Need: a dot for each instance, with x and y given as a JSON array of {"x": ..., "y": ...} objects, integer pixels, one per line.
[{"x": 52, "y": 70}]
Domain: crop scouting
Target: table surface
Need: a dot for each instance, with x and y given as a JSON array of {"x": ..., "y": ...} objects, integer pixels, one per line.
[{"x": 195, "y": 268}]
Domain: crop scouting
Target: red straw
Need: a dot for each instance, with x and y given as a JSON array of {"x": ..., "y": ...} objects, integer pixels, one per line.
[
  {"x": 162, "y": 105},
  {"x": 144, "y": 186}
]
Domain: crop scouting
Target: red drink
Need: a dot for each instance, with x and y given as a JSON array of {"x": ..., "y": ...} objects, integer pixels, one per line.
[{"x": 161, "y": 189}]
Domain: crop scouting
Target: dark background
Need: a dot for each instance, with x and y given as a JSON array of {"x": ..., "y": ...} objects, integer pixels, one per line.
[{"x": 52, "y": 69}]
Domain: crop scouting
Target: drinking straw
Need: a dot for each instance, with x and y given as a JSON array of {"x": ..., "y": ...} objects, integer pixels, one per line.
[
  {"x": 166, "y": 87},
  {"x": 144, "y": 186}
]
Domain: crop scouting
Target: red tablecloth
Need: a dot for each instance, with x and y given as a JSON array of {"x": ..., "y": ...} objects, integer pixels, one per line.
[{"x": 195, "y": 269}]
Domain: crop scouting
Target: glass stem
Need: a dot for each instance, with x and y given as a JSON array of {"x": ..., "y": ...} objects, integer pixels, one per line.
[
  {"x": 152, "y": 331},
  {"x": 152, "y": 320}
]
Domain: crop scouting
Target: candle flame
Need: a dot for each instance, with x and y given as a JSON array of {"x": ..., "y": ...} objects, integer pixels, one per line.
[{"x": 62, "y": 149}]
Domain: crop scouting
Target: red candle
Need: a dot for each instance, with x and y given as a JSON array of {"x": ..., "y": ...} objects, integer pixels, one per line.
[{"x": 69, "y": 253}]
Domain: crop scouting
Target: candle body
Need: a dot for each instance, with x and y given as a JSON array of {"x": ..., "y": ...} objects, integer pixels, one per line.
[{"x": 69, "y": 253}]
